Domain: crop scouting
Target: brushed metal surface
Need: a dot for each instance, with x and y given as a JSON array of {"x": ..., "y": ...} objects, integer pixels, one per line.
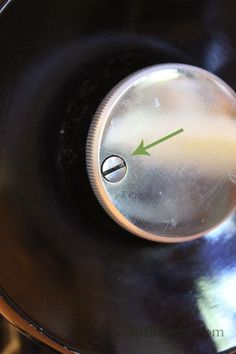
[{"x": 186, "y": 185}]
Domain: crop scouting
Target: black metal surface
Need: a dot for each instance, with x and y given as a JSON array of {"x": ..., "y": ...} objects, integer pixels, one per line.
[{"x": 64, "y": 264}]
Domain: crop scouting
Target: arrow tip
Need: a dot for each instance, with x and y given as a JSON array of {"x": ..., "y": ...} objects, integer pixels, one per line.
[{"x": 141, "y": 150}]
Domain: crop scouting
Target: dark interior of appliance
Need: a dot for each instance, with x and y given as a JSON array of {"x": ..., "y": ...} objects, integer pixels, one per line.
[{"x": 65, "y": 266}]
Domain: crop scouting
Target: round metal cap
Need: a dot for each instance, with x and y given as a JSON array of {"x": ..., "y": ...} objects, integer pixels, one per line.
[{"x": 161, "y": 153}]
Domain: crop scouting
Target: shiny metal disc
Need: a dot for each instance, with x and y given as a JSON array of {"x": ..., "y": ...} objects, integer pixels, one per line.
[{"x": 161, "y": 153}]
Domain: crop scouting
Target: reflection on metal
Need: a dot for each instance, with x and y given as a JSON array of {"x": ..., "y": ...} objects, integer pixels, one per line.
[
  {"x": 184, "y": 189},
  {"x": 217, "y": 306},
  {"x": 13, "y": 344},
  {"x": 224, "y": 231},
  {"x": 4, "y": 5},
  {"x": 217, "y": 52},
  {"x": 26, "y": 327}
]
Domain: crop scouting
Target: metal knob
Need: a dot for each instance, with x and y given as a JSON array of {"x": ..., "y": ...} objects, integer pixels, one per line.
[{"x": 161, "y": 153}]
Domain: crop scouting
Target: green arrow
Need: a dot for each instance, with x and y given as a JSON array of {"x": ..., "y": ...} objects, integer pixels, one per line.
[{"x": 142, "y": 150}]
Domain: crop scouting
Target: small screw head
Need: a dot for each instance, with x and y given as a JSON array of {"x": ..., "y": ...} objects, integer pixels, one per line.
[{"x": 114, "y": 169}]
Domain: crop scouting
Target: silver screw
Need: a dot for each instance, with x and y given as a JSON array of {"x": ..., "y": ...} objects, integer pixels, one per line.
[{"x": 114, "y": 169}]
